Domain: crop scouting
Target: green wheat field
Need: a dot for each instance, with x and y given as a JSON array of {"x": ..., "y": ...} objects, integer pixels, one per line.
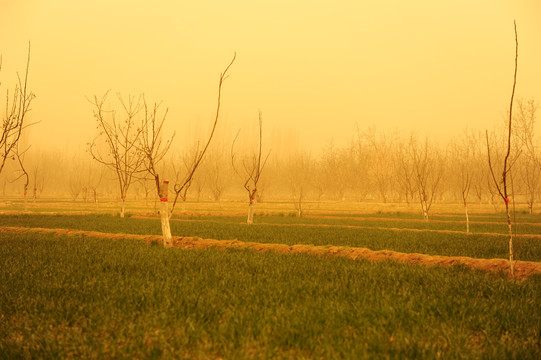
[{"x": 96, "y": 298}]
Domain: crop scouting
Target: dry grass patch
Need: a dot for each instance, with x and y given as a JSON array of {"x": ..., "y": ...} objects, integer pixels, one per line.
[{"x": 523, "y": 269}]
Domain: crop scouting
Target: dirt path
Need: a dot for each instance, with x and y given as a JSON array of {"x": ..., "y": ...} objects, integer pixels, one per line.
[{"x": 523, "y": 269}]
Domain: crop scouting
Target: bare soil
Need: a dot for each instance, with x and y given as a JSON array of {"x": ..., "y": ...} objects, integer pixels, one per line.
[{"x": 523, "y": 269}]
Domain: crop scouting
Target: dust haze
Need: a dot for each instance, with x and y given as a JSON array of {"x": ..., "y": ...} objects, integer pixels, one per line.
[{"x": 344, "y": 89}]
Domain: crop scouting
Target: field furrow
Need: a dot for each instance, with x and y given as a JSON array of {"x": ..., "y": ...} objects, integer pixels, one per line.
[{"x": 523, "y": 269}]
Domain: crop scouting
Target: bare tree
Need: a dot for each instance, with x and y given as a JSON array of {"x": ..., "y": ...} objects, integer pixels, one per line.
[
  {"x": 199, "y": 183},
  {"x": 20, "y": 155},
  {"x": 463, "y": 168},
  {"x": 323, "y": 174},
  {"x": 478, "y": 166},
  {"x": 361, "y": 163},
  {"x": 337, "y": 171},
  {"x": 115, "y": 146},
  {"x": 251, "y": 170},
  {"x": 530, "y": 168},
  {"x": 183, "y": 186},
  {"x": 298, "y": 172},
  {"x": 93, "y": 178},
  {"x": 530, "y": 176},
  {"x": 380, "y": 155},
  {"x": 427, "y": 170},
  {"x": 40, "y": 170},
  {"x": 403, "y": 172},
  {"x": 501, "y": 184},
  {"x": 14, "y": 120},
  {"x": 155, "y": 150},
  {"x": 217, "y": 172},
  {"x": 178, "y": 172},
  {"x": 74, "y": 177}
]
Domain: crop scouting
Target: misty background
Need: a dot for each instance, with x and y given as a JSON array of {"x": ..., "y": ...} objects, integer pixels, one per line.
[{"x": 322, "y": 73}]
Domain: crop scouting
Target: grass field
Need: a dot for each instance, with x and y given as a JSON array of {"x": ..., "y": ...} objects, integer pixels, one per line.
[
  {"x": 290, "y": 231},
  {"x": 72, "y": 297}
]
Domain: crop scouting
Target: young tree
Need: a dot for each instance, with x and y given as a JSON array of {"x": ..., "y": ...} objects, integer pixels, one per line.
[
  {"x": 183, "y": 186},
  {"x": 155, "y": 149},
  {"x": 427, "y": 164},
  {"x": 94, "y": 174},
  {"x": 218, "y": 172},
  {"x": 463, "y": 154},
  {"x": 323, "y": 174},
  {"x": 14, "y": 119},
  {"x": 530, "y": 168},
  {"x": 115, "y": 146},
  {"x": 361, "y": 163},
  {"x": 501, "y": 184},
  {"x": 199, "y": 183},
  {"x": 252, "y": 170},
  {"x": 478, "y": 167},
  {"x": 298, "y": 171},
  {"x": 337, "y": 171},
  {"x": 74, "y": 177},
  {"x": 40, "y": 168},
  {"x": 530, "y": 176},
  {"x": 403, "y": 172},
  {"x": 178, "y": 172},
  {"x": 380, "y": 147}
]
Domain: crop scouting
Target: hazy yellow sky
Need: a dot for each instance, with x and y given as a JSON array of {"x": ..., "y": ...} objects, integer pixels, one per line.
[{"x": 312, "y": 67}]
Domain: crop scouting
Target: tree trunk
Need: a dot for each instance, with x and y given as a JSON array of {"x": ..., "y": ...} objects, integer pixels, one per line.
[
  {"x": 424, "y": 206},
  {"x": 25, "y": 197},
  {"x": 511, "y": 252},
  {"x": 122, "y": 207},
  {"x": 467, "y": 218},
  {"x": 164, "y": 213},
  {"x": 251, "y": 212},
  {"x": 166, "y": 228}
]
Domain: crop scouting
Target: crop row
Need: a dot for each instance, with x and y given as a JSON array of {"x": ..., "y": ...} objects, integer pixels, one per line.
[{"x": 294, "y": 231}]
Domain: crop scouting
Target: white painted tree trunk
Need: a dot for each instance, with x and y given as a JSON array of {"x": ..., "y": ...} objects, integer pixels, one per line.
[
  {"x": 164, "y": 214},
  {"x": 424, "y": 206},
  {"x": 251, "y": 212},
  {"x": 467, "y": 218},
  {"x": 166, "y": 228},
  {"x": 511, "y": 253},
  {"x": 122, "y": 207}
]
